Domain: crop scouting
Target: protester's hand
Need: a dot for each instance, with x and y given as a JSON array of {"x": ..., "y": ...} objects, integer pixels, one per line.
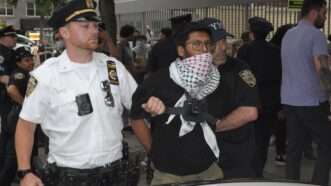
[
  {"x": 31, "y": 180},
  {"x": 154, "y": 106}
]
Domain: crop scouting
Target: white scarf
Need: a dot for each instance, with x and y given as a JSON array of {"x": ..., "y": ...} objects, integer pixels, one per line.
[{"x": 199, "y": 77}]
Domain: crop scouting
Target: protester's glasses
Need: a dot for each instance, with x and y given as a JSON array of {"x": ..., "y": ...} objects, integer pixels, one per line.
[{"x": 200, "y": 45}]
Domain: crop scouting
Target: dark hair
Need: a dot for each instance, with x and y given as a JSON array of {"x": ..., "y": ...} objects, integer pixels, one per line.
[
  {"x": 127, "y": 31},
  {"x": 184, "y": 34},
  {"x": 281, "y": 31},
  {"x": 245, "y": 36},
  {"x": 309, "y": 5},
  {"x": 166, "y": 32}
]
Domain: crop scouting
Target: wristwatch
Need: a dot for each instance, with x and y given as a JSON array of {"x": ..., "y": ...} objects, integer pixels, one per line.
[{"x": 22, "y": 173}]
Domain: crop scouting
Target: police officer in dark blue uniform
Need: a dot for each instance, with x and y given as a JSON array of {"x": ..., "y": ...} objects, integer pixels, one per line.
[
  {"x": 264, "y": 60},
  {"x": 164, "y": 52},
  {"x": 7, "y": 64},
  {"x": 16, "y": 91},
  {"x": 234, "y": 103}
]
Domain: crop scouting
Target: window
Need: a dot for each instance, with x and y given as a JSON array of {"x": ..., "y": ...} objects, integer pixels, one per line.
[
  {"x": 6, "y": 9},
  {"x": 32, "y": 9}
]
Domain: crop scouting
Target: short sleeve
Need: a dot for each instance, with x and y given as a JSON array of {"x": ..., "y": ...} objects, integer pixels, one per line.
[
  {"x": 17, "y": 79},
  {"x": 127, "y": 87},
  {"x": 246, "y": 90},
  {"x": 36, "y": 102},
  {"x": 320, "y": 46}
]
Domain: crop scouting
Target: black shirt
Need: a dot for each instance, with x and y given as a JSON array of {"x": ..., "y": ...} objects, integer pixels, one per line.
[
  {"x": 7, "y": 60},
  {"x": 170, "y": 153},
  {"x": 7, "y": 65},
  {"x": 265, "y": 61},
  {"x": 233, "y": 91},
  {"x": 19, "y": 78}
]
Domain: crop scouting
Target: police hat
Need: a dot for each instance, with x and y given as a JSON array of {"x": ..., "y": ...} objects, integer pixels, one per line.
[
  {"x": 8, "y": 31},
  {"x": 180, "y": 19},
  {"x": 22, "y": 52},
  {"x": 75, "y": 10},
  {"x": 216, "y": 27},
  {"x": 260, "y": 25}
]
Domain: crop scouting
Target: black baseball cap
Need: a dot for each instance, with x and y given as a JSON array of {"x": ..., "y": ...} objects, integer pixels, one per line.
[
  {"x": 216, "y": 27},
  {"x": 75, "y": 10}
]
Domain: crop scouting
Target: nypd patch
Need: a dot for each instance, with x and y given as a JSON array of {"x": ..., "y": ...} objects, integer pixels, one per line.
[
  {"x": 112, "y": 72},
  {"x": 248, "y": 78},
  {"x": 31, "y": 86},
  {"x": 19, "y": 76}
]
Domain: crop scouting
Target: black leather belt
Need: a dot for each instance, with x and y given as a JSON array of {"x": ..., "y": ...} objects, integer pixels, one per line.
[{"x": 94, "y": 171}]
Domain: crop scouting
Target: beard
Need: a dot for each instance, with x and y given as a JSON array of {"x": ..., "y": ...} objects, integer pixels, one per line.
[{"x": 319, "y": 23}]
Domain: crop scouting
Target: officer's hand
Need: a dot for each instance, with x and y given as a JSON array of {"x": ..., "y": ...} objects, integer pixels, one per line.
[
  {"x": 31, "y": 180},
  {"x": 154, "y": 106}
]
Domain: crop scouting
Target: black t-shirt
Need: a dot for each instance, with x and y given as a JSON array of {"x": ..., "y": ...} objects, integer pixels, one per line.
[
  {"x": 20, "y": 79},
  {"x": 170, "y": 153},
  {"x": 236, "y": 89},
  {"x": 265, "y": 62},
  {"x": 7, "y": 65}
]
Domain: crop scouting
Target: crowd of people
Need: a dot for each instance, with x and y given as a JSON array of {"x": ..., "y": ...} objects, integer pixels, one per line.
[{"x": 200, "y": 113}]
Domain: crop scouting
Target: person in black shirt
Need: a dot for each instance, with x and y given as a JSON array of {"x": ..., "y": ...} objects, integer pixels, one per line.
[
  {"x": 235, "y": 102},
  {"x": 7, "y": 64},
  {"x": 17, "y": 85},
  {"x": 182, "y": 147},
  {"x": 264, "y": 60},
  {"x": 164, "y": 52}
]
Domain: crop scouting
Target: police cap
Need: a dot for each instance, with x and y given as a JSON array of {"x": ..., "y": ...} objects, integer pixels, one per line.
[
  {"x": 22, "y": 52},
  {"x": 216, "y": 27},
  {"x": 260, "y": 25},
  {"x": 75, "y": 10},
  {"x": 8, "y": 31}
]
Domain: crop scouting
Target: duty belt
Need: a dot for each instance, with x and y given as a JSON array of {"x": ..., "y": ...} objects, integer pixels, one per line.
[{"x": 89, "y": 172}]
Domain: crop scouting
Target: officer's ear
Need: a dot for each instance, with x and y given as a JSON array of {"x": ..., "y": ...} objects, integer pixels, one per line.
[
  {"x": 181, "y": 51},
  {"x": 64, "y": 32}
]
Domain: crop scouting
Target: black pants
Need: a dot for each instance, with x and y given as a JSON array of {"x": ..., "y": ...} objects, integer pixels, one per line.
[
  {"x": 236, "y": 158},
  {"x": 280, "y": 134},
  {"x": 263, "y": 130},
  {"x": 8, "y": 165},
  {"x": 301, "y": 122}
]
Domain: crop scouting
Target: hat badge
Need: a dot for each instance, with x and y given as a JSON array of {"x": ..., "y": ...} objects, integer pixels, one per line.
[{"x": 89, "y": 3}]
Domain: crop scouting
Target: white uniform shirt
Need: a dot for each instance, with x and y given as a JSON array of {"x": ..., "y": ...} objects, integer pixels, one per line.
[{"x": 79, "y": 141}]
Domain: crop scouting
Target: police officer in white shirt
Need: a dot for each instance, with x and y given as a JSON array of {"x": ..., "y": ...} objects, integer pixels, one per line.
[{"x": 78, "y": 98}]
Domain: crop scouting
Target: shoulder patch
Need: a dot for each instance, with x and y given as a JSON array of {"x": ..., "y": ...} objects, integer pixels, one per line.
[
  {"x": 19, "y": 76},
  {"x": 248, "y": 77},
  {"x": 31, "y": 86},
  {"x": 2, "y": 59},
  {"x": 112, "y": 72}
]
